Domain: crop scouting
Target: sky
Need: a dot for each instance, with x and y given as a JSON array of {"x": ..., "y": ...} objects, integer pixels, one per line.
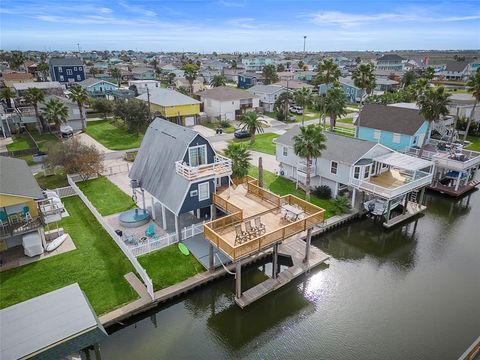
[{"x": 239, "y": 25}]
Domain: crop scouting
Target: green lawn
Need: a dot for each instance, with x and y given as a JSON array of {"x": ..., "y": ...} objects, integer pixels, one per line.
[
  {"x": 282, "y": 186},
  {"x": 169, "y": 266},
  {"x": 475, "y": 145},
  {"x": 215, "y": 125},
  {"x": 98, "y": 265},
  {"x": 20, "y": 142},
  {"x": 112, "y": 136},
  {"x": 309, "y": 115},
  {"x": 23, "y": 142},
  {"x": 43, "y": 140},
  {"x": 263, "y": 143},
  {"x": 347, "y": 120},
  {"x": 107, "y": 198},
  {"x": 53, "y": 181}
]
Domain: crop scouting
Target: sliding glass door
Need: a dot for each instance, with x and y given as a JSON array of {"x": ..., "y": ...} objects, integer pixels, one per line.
[{"x": 197, "y": 155}]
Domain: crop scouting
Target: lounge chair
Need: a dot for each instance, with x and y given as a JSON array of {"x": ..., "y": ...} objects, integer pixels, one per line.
[
  {"x": 240, "y": 235},
  {"x": 259, "y": 225},
  {"x": 130, "y": 240},
  {"x": 251, "y": 231},
  {"x": 150, "y": 231}
]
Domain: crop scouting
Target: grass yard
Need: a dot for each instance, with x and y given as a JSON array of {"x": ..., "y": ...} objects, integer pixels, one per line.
[
  {"x": 43, "y": 140},
  {"x": 347, "y": 120},
  {"x": 107, "y": 198},
  {"x": 169, "y": 266},
  {"x": 475, "y": 145},
  {"x": 112, "y": 136},
  {"x": 263, "y": 143},
  {"x": 98, "y": 265},
  {"x": 20, "y": 142},
  {"x": 282, "y": 186},
  {"x": 53, "y": 181},
  {"x": 215, "y": 125},
  {"x": 309, "y": 115}
]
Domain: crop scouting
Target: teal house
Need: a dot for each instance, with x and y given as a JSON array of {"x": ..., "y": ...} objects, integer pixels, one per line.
[
  {"x": 98, "y": 87},
  {"x": 353, "y": 93},
  {"x": 396, "y": 126}
]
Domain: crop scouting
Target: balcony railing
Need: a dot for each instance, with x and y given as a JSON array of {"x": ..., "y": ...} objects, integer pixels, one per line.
[
  {"x": 420, "y": 179},
  {"x": 221, "y": 166},
  {"x": 447, "y": 160},
  {"x": 11, "y": 227}
]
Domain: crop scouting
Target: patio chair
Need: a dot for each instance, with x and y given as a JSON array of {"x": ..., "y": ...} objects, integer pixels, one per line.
[
  {"x": 150, "y": 231},
  {"x": 259, "y": 225},
  {"x": 240, "y": 235},
  {"x": 251, "y": 231},
  {"x": 3, "y": 218},
  {"x": 130, "y": 240},
  {"x": 26, "y": 213}
]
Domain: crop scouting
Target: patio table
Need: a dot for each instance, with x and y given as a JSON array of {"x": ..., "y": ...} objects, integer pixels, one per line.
[{"x": 296, "y": 212}]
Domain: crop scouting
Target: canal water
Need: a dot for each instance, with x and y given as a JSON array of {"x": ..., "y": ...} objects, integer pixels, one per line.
[{"x": 408, "y": 293}]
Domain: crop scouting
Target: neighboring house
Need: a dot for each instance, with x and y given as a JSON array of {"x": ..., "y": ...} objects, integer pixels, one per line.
[
  {"x": 256, "y": 63},
  {"x": 67, "y": 70},
  {"x": 231, "y": 74},
  {"x": 285, "y": 75},
  {"x": 267, "y": 95},
  {"x": 227, "y": 103},
  {"x": 248, "y": 80},
  {"x": 456, "y": 70},
  {"x": 293, "y": 84},
  {"x": 143, "y": 85},
  {"x": 305, "y": 75},
  {"x": 461, "y": 105},
  {"x": 180, "y": 170},
  {"x": 391, "y": 62},
  {"x": 197, "y": 84},
  {"x": 353, "y": 93},
  {"x": 385, "y": 74},
  {"x": 97, "y": 87},
  {"x": 48, "y": 88},
  {"x": 143, "y": 73},
  {"x": 397, "y": 126},
  {"x": 173, "y": 106},
  {"x": 385, "y": 84},
  {"x": 74, "y": 119},
  {"x": 11, "y": 78}
]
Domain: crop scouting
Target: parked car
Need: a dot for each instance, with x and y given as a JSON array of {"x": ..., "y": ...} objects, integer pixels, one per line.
[
  {"x": 66, "y": 131},
  {"x": 296, "y": 109},
  {"x": 241, "y": 134}
]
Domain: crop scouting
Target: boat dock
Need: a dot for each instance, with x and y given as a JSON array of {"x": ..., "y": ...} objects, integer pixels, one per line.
[
  {"x": 451, "y": 191},
  {"x": 411, "y": 210},
  {"x": 295, "y": 249}
]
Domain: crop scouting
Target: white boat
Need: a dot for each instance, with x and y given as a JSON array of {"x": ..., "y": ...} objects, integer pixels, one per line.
[
  {"x": 379, "y": 206},
  {"x": 56, "y": 243}
]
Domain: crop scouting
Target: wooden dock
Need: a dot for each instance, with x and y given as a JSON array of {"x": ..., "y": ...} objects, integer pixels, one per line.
[
  {"x": 294, "y": 248},
  {"x": 450, "y": 190},
  {"x": 412, "y": 210}
]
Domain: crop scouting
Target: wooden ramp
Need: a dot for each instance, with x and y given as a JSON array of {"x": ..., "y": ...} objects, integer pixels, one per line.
[
  {"x": 295, "y": 248},
  {"x": 412, "y": 210}
]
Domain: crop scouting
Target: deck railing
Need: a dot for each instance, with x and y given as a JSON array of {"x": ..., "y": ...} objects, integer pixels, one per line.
[
  {"x": 220, "y": 166},
  {"x": 13, "y": 228}
]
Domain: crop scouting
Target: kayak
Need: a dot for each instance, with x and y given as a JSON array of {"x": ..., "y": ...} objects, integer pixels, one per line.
[
  {"x": 56, "y": 243},
  {"x": 183, "y": 249}
]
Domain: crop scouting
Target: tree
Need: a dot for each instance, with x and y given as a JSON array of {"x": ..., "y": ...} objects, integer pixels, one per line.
[
  {"x": 103, "y": 106},
  {"x": 335, "y": 104},
  {"x": 120, "y": 110},
  {"x": 8, "y": 94},
  {"x": 432, "y": 104},
  {"x": 309, "y": 144},
  {"x": 280, "y": 68},
  {"x": 233, "y": 64},
  {"x": 183, "y": 90},
  {"x": 35, "y": 96},
  {"x": 240, "y": 157},
  {"x": 116, "y": 74},
  {"x": 409, "y": 78},
  {"x": 191, "y": 73},
  {"x": 75, "y": 158},
  {"x": 16, "y": 60},
  {"x": 79, "y": 95},
  {"x": 328, "y": 72},
  {"x": 282, "y": 105},
  {"x": 218, "y": 80},
  {"x": 428, "y": 73},
  {"x": 252, "y": 123},
  {"x": 303, "y": 98},
  {"x": 42, "y": 69},
  {"x": 473, "y": 85},
  {"x": 364, "y": 78},
  {"x": 300, "y": 64},
  {"x": 154, "y": 63},
  {"x": 55, "y": 112},
  {"x": 94, "y": 71},
  {"x": 171, "y": 77},
  {"x": 358, "y": 60},
  {"x": 133, "y": 88},
  {"x": 137, "y": 116},
  {"x": 419, "y": 86},
  {"x": 270, "y": 74}
]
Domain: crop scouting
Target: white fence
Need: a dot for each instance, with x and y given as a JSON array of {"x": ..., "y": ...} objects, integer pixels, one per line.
[
  {"x": 140, "y": 270},
  {"x": 191, "y": 231},
  {"x": 153, "y": 244},
  {"x": 65, "y": 191}
]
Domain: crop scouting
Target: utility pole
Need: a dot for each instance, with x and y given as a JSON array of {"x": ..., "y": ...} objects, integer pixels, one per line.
[
  {"x": 304, "y": 42},
  {"x": 148, "y": 102},
  {"x": 78, "y": 47}
]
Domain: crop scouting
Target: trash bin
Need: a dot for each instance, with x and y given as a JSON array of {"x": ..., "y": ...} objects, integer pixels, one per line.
[
  {"x": 119, "y": 232},
  {"x": 219, "y": 131}
]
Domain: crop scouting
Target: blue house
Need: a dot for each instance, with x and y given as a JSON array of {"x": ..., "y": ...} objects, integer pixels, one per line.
[
  {"x": 98, "y": 87},
  {"x": 396, "y": 126},
  {"x": 180, "y": 171},
  {"x": 246, "y": 81},
  {"x": 67, "y": 70},
  {"x": 353, "y": 93}
]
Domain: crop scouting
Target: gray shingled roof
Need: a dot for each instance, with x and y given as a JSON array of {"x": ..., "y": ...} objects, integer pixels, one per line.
[
  {"x": 456, "y": 66},
  {"x": 225, "y": 93},
  {"x": 391, "y": 57},
  {"x": 17, "y": 179},
  {"x": 67, "y": 61},
  {"x": 92, "y": 81},
  {"x": 164, "y": 144},
  {"x": 62, "y": 319},
  {"x": 167, "y": 97},
  {"x": 267, "y": 89},
  {"x": 339, "y": 148},
  {"x": 395, "y": 119}
]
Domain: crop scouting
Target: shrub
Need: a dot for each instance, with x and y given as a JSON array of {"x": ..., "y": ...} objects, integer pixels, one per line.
[
  {"x": 224, "y": 124},
  {"x": 323, "y": 192},
  {"x": 341, "y": 205}
]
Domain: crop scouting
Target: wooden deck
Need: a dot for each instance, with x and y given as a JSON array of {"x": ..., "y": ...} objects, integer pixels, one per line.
[
  {"x": 389, "y": 179},
  {"x": 295, "y": 248},
  {"x": 249, "y": 203},
  {"x": 450, "y": 190}
]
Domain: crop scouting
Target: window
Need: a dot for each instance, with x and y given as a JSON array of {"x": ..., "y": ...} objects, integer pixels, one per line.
[
  {"x": 333, "y": 167},
  {"x": 396, "y": 138},
  {"x": 80, "y": 68},
  {"x": 69, "y": 72},
  {"x": 78, "y": 77},
  {"x": 59, "y": 69},
  {"x": 367, "y": 171},
  {"x": 376, "y": 134},
  {"x": 203, "y": 191},
  {"x": 356, "y": 172},
  {"x": 197, "y": 155},
  {"x": 75, "y": 68},
  {"x": 193, "y": 193},
  {"x": 415, "y": 140},
  {"x": 285, "y": 151},
  {"x": 61, "y": 77}
]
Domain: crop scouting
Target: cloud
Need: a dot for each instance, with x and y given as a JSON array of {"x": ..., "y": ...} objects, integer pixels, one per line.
[
  {"x": 232, "y": 4},
  {"x": 135, "y": 9}
]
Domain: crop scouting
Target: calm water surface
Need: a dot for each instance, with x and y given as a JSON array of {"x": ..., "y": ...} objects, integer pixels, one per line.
[{"x": 409, "y": 293}]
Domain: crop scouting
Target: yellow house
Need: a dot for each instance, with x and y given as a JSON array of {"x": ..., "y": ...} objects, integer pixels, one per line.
[{"x": 173, "y": 106}]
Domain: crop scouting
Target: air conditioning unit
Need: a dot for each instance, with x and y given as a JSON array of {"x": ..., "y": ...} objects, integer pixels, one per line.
[{"x": 135, "y": 183}]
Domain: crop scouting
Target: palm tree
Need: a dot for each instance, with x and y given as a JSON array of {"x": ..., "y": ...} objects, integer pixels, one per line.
[
  {"x": 79, "y": 95},
  {"x": 328, "y": 72},
  {"x": 43, "y": 68},
  {"x": 433, "y": 104},
  {"x": 34, "y": 96},
  {"x": 252, "y": 123},
  {"x": 8, "y": 94},
  {"x": 408, "y": 78},
  {"x": 429, "y": 73},
  {"x": 364, "y": 78},
  {"x": 116, "y": 74},
  {"x": 93, "y": 71},
  {"x": 308, "y": 144},
  {"x": 55, "y": 111},
  {"x": 282, "y": 105},
  {"x": 269, "y": 72},
  {"x": 335, "y": 104},
  {"x": 191, "y": 73},
  {"x": 303, "y": 98},
  {"x": 420, "y": 86},
  {"x": 473, "y": 85},
  {"x": 218, "y": 80},
  {"x": 240, "y": 157}
]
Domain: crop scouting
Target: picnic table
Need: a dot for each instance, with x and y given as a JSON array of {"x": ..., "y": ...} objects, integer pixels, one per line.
[{"x": 293, "y": 210}]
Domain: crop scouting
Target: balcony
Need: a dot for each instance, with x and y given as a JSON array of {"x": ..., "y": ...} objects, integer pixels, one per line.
[
  {"x": 247, "y": 201},
  {"x": 393, "y": 183},
  {"x": 18, "y": 226},
  {"x": 221, "y": 166}
]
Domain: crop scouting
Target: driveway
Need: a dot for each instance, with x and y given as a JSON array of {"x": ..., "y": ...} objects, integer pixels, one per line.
[{"x": 88, "y": 140}]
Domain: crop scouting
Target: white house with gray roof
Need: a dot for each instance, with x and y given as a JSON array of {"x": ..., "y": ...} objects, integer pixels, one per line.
[{"x": 267, "y": 95}]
